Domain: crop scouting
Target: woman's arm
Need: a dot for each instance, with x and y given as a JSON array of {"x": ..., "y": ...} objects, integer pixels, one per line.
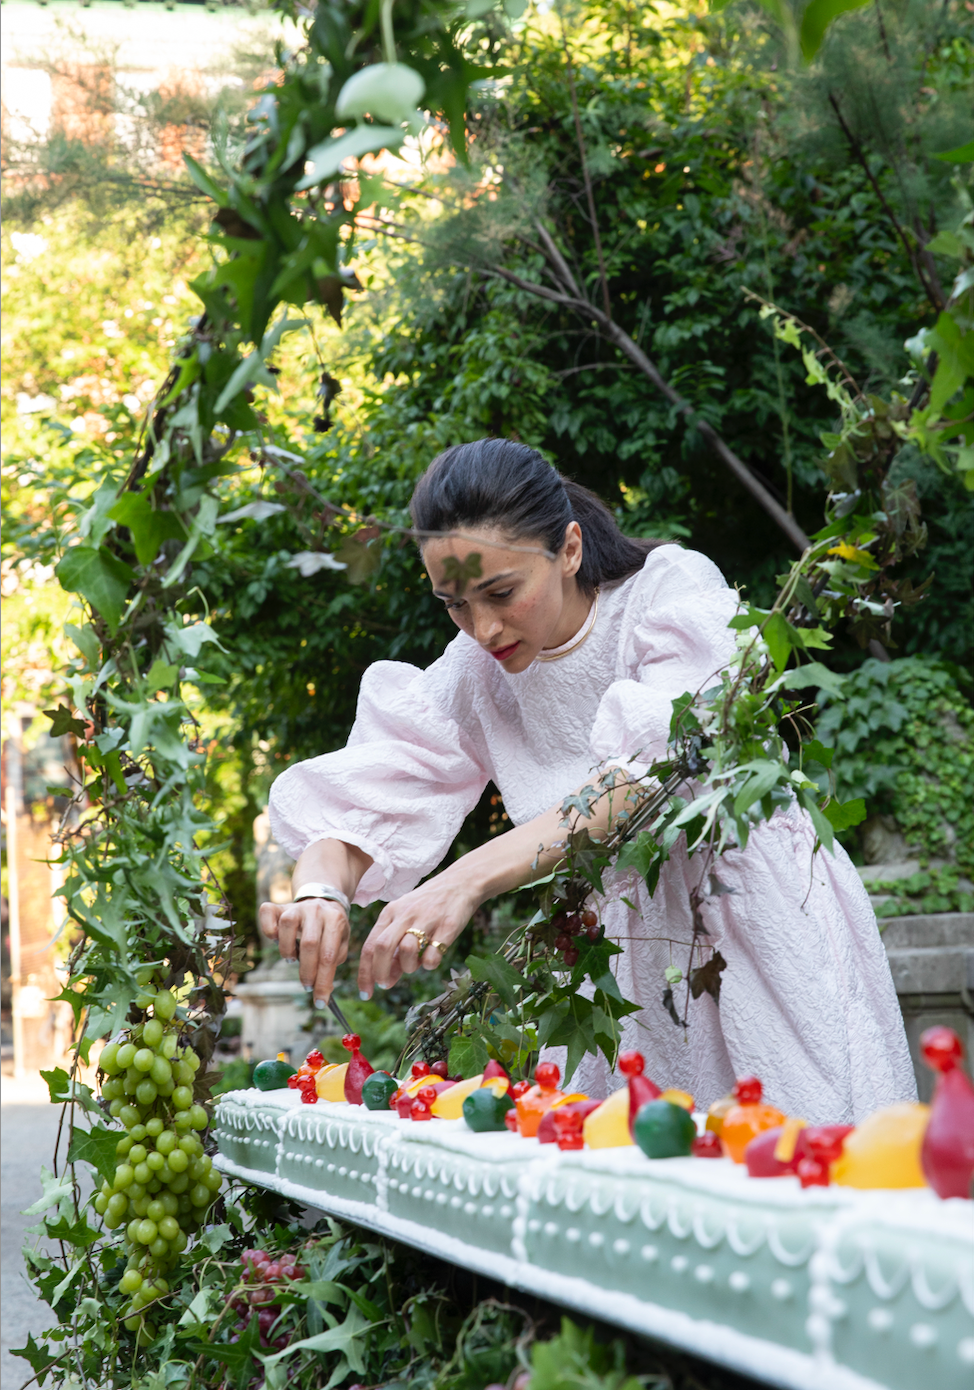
[
  {"x": 317, "y": 926},
  {"x": 441, "y": 907}
]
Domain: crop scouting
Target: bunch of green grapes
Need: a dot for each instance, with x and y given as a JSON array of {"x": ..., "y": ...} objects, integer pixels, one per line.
[{"x": 164, "y": 1182}]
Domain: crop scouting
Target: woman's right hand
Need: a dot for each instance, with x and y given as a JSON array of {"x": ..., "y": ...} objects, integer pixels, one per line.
[{"x": 315, "y": 932}]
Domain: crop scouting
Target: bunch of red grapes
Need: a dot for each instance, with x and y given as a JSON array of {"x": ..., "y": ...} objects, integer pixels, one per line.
[
  {"x": 570, "y": 925},
  {"x": 262, "y": 1278}
]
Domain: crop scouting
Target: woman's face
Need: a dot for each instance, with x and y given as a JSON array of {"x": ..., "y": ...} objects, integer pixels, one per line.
[{"x": 520, "y": 602}]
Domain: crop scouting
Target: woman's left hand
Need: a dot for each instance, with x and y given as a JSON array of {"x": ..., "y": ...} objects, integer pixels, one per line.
[{"x": 438, "y": 910}]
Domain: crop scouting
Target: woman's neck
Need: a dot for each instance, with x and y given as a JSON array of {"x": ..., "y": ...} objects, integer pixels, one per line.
[{"x": 575, "y": 610}]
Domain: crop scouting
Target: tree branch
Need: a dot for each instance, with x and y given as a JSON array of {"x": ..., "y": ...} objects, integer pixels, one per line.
[{"x": 630, "y": 349}]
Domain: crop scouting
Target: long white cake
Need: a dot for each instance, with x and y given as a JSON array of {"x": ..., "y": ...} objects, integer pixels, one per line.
[{"x": 821, "y": 1289}]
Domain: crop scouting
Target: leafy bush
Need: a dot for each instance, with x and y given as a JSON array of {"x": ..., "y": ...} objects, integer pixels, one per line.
[{"x": 905, "y": 733}]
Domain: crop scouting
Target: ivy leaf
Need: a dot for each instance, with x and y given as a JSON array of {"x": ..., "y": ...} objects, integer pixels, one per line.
[
  {"x": 215, "y": 1237},
  {"x": 149, "y": 527},
  {"x": 96, "y": 1147},
  {"x": 777, "y": 634},
  {"x": 707, "y": 977},
  {"x": 361, "y": 555},
  {"x": 161, "y": 676},
  {"x": 86, "y": 640},
  {"x": 77, "y": 1233},
  {"x": 100, "y": 577},
  {"x": 62, "y": 1089},
  {"x": 346, "y": 1338},
  {"x": 63, "y": 722},
  {"x": 683, "y": 720},
  {"x": 760, "y": 781},
  {"x": 238, "y": 1357},
  {"x": 55, "y": 1190},
  {"x": 814, "y": 673},
  {"x": 639, "y": 854},
  {"x": 460, "y": 572},
  {"x": 501, "y": 976},
  {"x": 468, "y": 1057},
  {"x": 39, "y": 1358},
  {"x": 816, "y": 20},
  {"x": 815, "y": 752},
  {"x": 843, "y": 815}
]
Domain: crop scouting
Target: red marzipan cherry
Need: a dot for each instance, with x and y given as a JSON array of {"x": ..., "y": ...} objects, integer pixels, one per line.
[
  {"x": 351, "y": 1041},
  {"x": 707, "y": 1145},
  {"x": 441, "y": 1069},
  {"x": 589, "y": 919},
  {"x": 519, "y": 1088},
  {"x": 546, "y": 1075},
  {"x": 315, "y": 1059},
  {"x": 748, "y": 1090},
  {"x": 941, "y": 1048},
  {"x": 632, "y": 1063},
  {"x": 421, "y": 1069}
]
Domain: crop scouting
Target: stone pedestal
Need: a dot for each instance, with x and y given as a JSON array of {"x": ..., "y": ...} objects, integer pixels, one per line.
[
  {"x": 274, "y": 1008},
  {"x": 932, "y": 960}
]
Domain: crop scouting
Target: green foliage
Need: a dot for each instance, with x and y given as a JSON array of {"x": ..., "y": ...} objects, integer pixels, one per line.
[
  {"x": 904, "y": 735},
  {"x": 575, "y": 1361}
]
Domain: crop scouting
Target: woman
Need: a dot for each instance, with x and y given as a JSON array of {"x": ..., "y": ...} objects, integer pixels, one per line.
[{"x": 573, "y": 642}]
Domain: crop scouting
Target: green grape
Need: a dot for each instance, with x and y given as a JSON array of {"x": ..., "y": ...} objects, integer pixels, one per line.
[
  {"x": 143, "y": 1173},
  {"x": 170, "y": 1204},
  {"x": 159, "y": 1249},
  {"x": 145, "y": 1093},
  {"x": 101, "y": 1204},
  {"x": 113, "y": 1089},
  {"x": 144, "y": 1000},
  {"x": 169, "y": 1228},
  {"x": 154, "y": 1127},
  {"x": 140, "y": 1206},
  {"x": 166, "y": 1142},
  {"x": 194, "y": 1059},
  {"x": 124, "y": 1145},
  {"x": 136, "y": 1192},
  {"x": 117, "y": 1205},
  {"x": 115, "y": 1109},
  {"x": 190, "y": 1145},
  {"x": 131, "y": 1281},
  {"x": 200, "y": 1195},
  {"x": 106, "y": 1188},
  {"x": 154, "y": 1185},
  {"x": 168, "y": 1046},
  {"x": 180, "y": 1242},
  {"x": 138, "y": 1133},
  {"x": 182, "y": 1073},
  {"x": 155, "y": 1162},
  {"x": 185, "y": 1204},
  {"x": 196, "y": 1170},
  {"x": 160, "y": 1071},
  {"x": 179, "y": 1184},
  {"x": 107, "y": 1058},
  {"x": 132, "y": 1323},
  {"x": 166, "y": 1174},
  {"x": 156, "y": 1211},
  {"x": 147, "y": 1231},
  {"x": 198, "y": 1117},
  {"x": 167, "y": 1088},
  {"x": 214, "y": 1180},
  {"x": 137, "y": 1154},
  {"x": 111, "y": 1223},
  {"x": 182, "y": 1122},
  {"x": 129, "y": 1116},
  {"x": 124, "y": 1055},
  {"x": 164, "y": 1005},
  {"x": 182, "y": 1098},
  {"x": 152, "y": 1033},
  {"x": 131, "y": 1231},
  {"x": 124, "y": 1176},
  {"x": 143, "y": 1059},
  {"x": 130, "y": 1081}
]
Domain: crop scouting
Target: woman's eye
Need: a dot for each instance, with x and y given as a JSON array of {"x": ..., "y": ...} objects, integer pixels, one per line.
[{"x": 506, "y": 594}]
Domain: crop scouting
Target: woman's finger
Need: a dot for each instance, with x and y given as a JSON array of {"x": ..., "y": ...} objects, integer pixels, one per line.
[
  {"x": 288, "y": 930},
  {"x": 267, "y": 916},
  {"x": 332, "y": 950}
]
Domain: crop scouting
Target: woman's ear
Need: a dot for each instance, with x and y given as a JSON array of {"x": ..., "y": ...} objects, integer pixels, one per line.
[{"x": 572, "y": 550}]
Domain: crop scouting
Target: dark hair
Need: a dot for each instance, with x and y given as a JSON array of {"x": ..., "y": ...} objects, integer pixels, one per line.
[{"x": 496, "y": 482}]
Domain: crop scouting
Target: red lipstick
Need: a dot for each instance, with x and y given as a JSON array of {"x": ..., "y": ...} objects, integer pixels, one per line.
[{"x": 502, "y": 653}]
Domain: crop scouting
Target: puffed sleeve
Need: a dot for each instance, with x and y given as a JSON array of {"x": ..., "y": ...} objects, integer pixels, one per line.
[
  {"x": 398, "y": 790},
  {"x": 674, "y": 638}
]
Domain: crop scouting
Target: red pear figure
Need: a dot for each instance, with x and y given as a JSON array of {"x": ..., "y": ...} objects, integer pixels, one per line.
[
  {"x": 358, "y": 1069},
  {"x": 947, "y": 1155},
  {"x": 641, "y": 1088}
]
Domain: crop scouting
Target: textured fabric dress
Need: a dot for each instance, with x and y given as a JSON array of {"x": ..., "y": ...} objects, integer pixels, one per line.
[{"x": 807, "y": 1001}]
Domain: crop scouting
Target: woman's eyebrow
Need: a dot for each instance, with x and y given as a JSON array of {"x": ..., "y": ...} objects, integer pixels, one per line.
[{"x": 496, "y": 579}]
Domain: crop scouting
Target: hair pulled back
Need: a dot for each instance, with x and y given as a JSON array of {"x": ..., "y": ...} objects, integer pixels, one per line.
[{"x": 499, "y": 483}]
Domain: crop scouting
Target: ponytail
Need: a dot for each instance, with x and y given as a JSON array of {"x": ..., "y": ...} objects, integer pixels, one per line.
[{"x": 500, "y": 483}]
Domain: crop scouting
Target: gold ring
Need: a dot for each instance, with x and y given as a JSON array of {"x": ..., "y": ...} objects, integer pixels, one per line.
[
  {"x": 438, "y": 946},
  {"x": 421, "y": 937}
]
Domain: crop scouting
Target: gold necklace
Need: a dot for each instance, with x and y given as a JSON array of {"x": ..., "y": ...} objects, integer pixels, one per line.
[{"x": 582, "y": 637}]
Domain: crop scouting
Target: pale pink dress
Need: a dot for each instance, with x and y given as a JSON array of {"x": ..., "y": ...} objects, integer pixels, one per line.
[{"x": 807, "y": 1001}]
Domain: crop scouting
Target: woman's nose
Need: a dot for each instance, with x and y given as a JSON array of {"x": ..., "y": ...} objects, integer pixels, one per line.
[{"x": 486, "y": 626}]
